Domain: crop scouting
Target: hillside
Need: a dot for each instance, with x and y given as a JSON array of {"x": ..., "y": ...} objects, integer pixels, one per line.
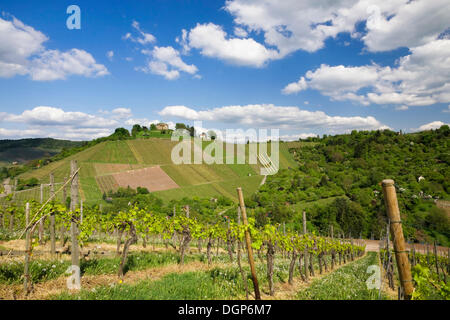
[
  {"x": 25, "y": 150},
  {"x": 147, "y": 163},
  {"x": 338, "y": 182}
]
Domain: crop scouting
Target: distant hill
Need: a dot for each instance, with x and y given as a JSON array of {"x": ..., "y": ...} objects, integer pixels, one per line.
[
  {"x": 147, "y": 162},
  {"x": 25, "y": 150}
]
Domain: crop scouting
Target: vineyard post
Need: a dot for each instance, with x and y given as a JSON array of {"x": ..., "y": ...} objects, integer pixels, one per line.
[
  {"x": 11, "y": 216},
  {"x": 436, "y": 260},
  {"x": 73, "y": 227},
  {"x": 26, "y": 273},
  {"x": 52, "y": 217},
  {"x": 404, "y": 268},
  {"x": 63, "y": 230},
  {"x": 81, "y": 211},
  {"x": 41, "y": 222},
  {"x": 244, "y": 280},
  {"x": 249, "y": 244},
  {"x": 305, "y": 252}
]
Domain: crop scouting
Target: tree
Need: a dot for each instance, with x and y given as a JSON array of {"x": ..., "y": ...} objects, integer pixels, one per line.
[
  {"x": 180, "y": 126},
  {"x": 120, "y": 134},
  {"x": 153, "y": 127},
  {"x": 136, "y": 129}
]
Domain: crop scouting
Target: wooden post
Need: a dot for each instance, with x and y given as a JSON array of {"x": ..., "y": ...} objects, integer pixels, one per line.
[
  {"x": 41, "y": 222},
  {"x": 26, "y": 272},
  {"x": 244, "y": 279},
  {"x": 305, "y": 252},
  {"x": 249, "y": 244},
  {"x": 73, "y": 227},
  {"x": 52, "y": 217},
  {"x": 81, "y": 211},
  {"x": 401, "y": 255},
  {"x": 64, "y": 191},
  {"x": 436, "y": 260}
]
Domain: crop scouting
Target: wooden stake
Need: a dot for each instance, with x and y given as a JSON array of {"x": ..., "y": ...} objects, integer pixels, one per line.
[
  {"x": 249, "y": 244},
  {"x": 41, "y": 223},
  {"x": 73, "y": 205},
  {"x": 401, "y": 255},
  {"x": 52, "y": 217},
  {"x": 305, "y": 252},
  {"x": 26, "y": 272}
]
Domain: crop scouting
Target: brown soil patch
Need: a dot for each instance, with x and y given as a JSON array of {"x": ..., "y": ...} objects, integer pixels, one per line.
[{"x": 154, "y": 179}]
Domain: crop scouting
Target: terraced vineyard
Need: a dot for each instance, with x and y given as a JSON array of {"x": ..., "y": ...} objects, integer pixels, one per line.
[{"x": 103, "y": 164}]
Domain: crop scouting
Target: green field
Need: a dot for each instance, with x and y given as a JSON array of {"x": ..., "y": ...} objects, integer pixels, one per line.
[{"x": 99, "y": 162}]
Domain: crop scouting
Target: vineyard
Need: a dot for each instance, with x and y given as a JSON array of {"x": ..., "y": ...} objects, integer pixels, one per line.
[
  {"x": 165, "y": 231},
  {"x": 112, "y": 164}
]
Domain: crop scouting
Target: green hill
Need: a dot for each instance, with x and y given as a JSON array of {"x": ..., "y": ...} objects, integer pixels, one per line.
[
  {"x": 106, "y": 164},
  {"x": 25, "y": 150}
]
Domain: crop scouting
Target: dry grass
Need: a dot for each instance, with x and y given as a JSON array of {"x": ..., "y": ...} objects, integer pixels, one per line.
[{"x": 42, "y": 291}]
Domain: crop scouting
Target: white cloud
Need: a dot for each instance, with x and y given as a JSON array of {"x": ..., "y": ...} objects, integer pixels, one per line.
[
  {"x": 271, "y": 116},
  {"x": 295, "y": 87},
  {"x": 144, "y": 38},
  {"x": 402, "y": 108},
  {"x": 414, "y": 23},
  {"x": 447, "y": 110},
  {"x": 110, "y": 55},
  {"x": 166, "y": 61},
  {"x": 121, "y": 113},
  {"x": 183, "y": 42},
  {"x": 292, "y": 25},
  {"x": 213, "y": 42},
  {"x": 22, "y": 52},
  {"x": 56, "y": 65},
  {"x": 430, "y": 126},
  {"x": 418, "y": 79},
  {"x": 50, "y": 116},
  {"x": 240, "y": 32},
  {"x": 13, "y": 133}
]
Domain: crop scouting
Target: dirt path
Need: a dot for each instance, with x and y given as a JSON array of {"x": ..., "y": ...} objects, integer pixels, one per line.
[
  {"x": 45, "y": 289},
  {"x": 374, "y": 245}
]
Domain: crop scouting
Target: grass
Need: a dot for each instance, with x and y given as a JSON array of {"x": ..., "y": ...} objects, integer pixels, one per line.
[
  {"x": 43, "y": 270},
  {"x": 174, "y": 286},
  {"x": 216, "y": 283},
  {"x": 346, "y": 283}
]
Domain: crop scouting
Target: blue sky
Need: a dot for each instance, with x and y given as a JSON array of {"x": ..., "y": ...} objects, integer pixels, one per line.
[{"x": 305, "y": 67}]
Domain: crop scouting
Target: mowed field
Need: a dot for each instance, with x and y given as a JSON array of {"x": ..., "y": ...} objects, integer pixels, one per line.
[{"x": 147, "y": 163}]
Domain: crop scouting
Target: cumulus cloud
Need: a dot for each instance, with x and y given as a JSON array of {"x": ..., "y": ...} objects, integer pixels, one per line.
[
  {"x": 271, "y": 116},
  {"x": 45, "y": 121},
  {"x": 213, "y": 41},
  {"x": 419, "y": 79},
  {"x": 292, "y": 25},
  {"x": 430, "y": 126},
  {"x": 51, "y": 116},
  {"x": 22, "y": 53},
  {"x": 295, "y": 87},
  {"x": 166, "y": 61}
]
